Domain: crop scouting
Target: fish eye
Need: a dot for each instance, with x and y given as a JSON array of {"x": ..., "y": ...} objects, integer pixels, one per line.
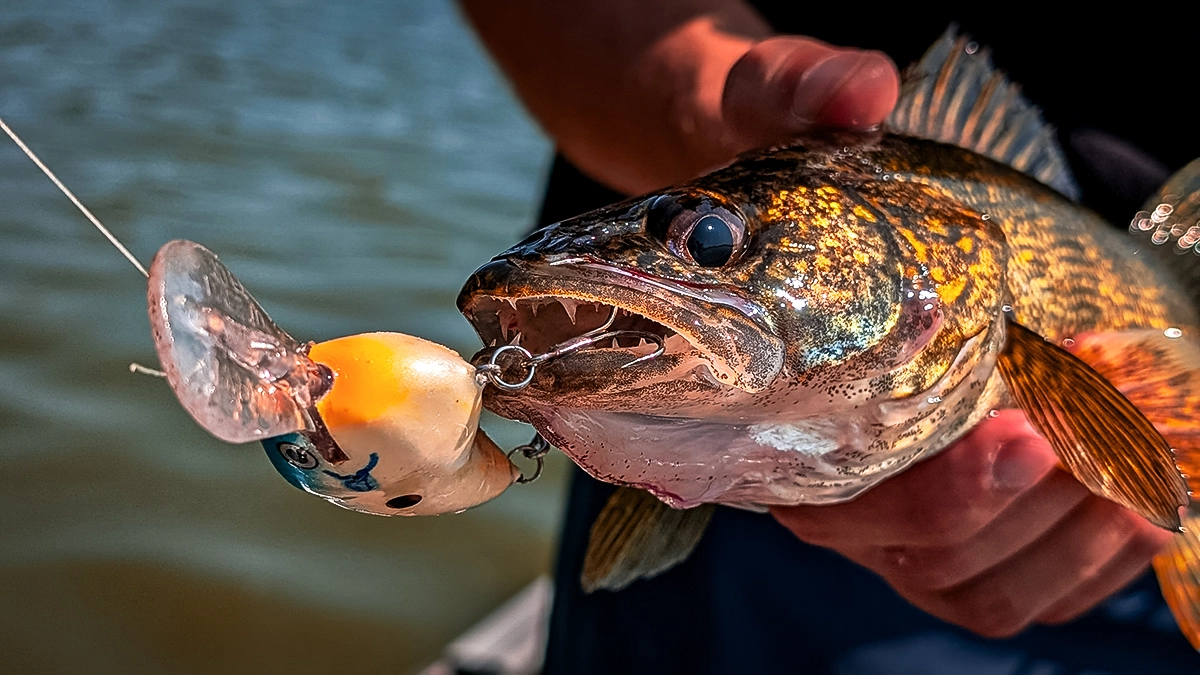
[
  {"x": 709, "y": 236},
  {"x": 298, "y": 456},
  {"x": 403, "y": 501},
  {"x": 711, "y": 241}
]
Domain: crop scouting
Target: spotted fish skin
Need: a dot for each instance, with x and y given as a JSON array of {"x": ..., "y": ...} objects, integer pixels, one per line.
[
  {"x": 876, "y": 296},
  {"x": 860, "y": 324}
]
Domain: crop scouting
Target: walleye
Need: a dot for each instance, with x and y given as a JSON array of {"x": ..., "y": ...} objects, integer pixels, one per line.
[{"x": 839, "y": 308}]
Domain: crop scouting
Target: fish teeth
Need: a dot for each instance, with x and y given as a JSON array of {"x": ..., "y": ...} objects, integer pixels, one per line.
[
  {"x": 517, "y": 338},
  {"x": 570, "y": 306}
]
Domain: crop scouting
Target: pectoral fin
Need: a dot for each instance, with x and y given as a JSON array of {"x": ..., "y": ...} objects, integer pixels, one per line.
[
  {"x": 1178, "y": 571},
  {"x": 1159, "y": 372},
  {"x": 637, "y": 537},
  {"x": 1098, "y": 434}
]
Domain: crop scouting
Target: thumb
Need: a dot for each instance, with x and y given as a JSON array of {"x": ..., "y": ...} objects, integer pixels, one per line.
[{"x": 788, "y": 85}]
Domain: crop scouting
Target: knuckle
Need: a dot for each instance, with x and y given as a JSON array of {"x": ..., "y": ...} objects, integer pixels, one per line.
[
  {"x": 936, "y": 524},
  {"x": 990, "y": 612},
  {"x": 920, "y": 567},
  {"x": 1144, "y": 545}
]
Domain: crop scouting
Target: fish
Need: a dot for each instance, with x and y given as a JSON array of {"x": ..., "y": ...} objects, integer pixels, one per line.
[{"x": 840, "y": 307}]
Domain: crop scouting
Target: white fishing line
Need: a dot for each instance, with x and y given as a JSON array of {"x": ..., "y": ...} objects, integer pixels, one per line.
[{"x": 74, "y": 200}]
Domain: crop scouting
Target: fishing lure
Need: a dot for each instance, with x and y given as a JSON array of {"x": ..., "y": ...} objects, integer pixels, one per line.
[{"x": 382, "y": 423}]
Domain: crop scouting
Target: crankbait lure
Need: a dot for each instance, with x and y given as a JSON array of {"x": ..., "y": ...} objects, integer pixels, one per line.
[{"x": 382, "y": 423}]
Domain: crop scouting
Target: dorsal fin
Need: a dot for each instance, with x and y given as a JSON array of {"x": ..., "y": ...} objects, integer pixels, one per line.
[{"x": 955, "y": 95}]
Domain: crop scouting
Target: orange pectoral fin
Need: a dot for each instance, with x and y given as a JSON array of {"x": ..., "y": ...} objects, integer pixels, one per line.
[
  {"x": 1159, "y": 372},
  {"x": 1178, "y": 571},
  {"x": 1101, "y": 437}
]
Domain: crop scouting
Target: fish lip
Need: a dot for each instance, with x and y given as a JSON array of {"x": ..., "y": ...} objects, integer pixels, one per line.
[{"x": 724, "y": 329}]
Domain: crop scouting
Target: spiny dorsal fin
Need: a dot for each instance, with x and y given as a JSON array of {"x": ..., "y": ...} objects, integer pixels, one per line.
[
  {"x": 638, "y": 537},
  {"x": 955, "y": 95},
  {"x": 1101, "y": 438},
  {"x": 1169, "y": 227},
  {"x": 1178, "y": 571}
]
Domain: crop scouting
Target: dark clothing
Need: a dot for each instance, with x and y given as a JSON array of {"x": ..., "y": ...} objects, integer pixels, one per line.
[{"x": 753, "y": 598}]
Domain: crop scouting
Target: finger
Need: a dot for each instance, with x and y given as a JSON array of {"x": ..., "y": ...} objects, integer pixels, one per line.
[
  {"x": 1129, "y": 563},
  {"x": 788, "y": 85},
  {"x": 1006, "y": 599},
  {"x": 1023, "y": 522},
  {"x": 942, "y": 501}
]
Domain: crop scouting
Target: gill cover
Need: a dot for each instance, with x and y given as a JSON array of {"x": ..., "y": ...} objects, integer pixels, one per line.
[{"x": 382, "y": 423}]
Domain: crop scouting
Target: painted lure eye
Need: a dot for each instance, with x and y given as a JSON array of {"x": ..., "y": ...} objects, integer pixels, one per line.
[
  {"x": 404, "y": 501},
  {"x": 706, "y": 234},
  {"x": 298, "y": 456}
]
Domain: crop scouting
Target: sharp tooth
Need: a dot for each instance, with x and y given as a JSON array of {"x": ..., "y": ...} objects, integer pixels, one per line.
[
  {"x": 504, "y": 331},
  {"x": 534, "y": 308},
  {"x": 570, "y": 306},
  {"x": 517, "y": 338},
  {"x": 493, "y": 343}
]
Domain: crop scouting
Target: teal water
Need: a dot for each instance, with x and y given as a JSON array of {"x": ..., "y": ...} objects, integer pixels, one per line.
[{"x": 352, "y": 163}]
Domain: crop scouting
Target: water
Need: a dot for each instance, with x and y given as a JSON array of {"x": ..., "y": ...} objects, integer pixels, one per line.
[{"x": 352, "y": 163}]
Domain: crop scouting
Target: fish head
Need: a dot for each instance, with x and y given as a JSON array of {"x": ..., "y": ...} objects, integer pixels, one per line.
[
  {"x": 621, "y": 263},
  {"x": 781, "y": 287}
]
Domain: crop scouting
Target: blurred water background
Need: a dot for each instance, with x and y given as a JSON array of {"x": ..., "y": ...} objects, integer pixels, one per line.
[{"x": 352, "y": 163}]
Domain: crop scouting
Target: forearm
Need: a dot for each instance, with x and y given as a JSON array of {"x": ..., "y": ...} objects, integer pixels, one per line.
[{"x": 630, "y": 91}]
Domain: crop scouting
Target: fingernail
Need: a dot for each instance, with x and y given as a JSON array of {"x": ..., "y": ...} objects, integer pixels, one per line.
[
  {"x": 821, "y": 83},
  {"x": 1020, "y": 464}
]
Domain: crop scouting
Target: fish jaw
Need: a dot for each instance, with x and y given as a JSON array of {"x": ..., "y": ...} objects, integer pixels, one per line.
[
  {"x": 783, "y": 449},
  {"x": 715, "y": 342}
]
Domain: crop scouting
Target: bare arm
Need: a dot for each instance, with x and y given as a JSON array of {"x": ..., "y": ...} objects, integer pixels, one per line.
[{"x": 642, "y": 94}]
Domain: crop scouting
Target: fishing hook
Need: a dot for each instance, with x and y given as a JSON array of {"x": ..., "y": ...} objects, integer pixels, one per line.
[{"x": 529, "y": 361}]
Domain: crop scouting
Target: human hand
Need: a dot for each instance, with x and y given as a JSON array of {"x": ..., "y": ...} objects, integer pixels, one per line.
[
  {"x": 787, "y": 85},
  {"x": 988, "y": 534},
  {"x": 640, "y": 95}
]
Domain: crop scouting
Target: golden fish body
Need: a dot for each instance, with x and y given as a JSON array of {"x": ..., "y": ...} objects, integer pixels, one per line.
[{"x": 855, "y": 331}]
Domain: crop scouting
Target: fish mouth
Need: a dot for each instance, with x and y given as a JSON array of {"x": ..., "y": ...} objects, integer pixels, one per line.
[
  {"x": 540, "y": 323},
  {"x": 710, "y": 339}
]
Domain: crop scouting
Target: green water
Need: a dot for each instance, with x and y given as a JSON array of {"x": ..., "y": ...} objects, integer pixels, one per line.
[{"x": 352, "y": 163}]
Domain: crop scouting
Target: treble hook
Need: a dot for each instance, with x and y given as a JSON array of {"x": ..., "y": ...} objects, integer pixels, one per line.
[{"x": 529, "y": 361}]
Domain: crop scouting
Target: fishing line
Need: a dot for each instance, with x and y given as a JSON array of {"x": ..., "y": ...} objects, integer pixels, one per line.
[{"x": 74, "y": 200}]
